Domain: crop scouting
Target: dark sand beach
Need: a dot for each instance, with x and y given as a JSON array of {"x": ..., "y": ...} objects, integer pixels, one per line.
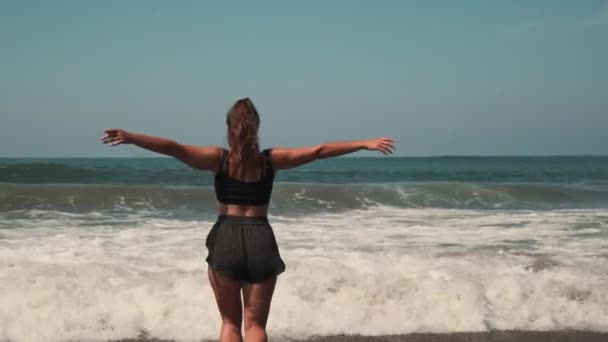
[{"x": 493, "y": 336}]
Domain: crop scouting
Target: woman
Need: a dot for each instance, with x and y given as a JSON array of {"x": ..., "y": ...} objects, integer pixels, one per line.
[{"x": 242, "y": 250}]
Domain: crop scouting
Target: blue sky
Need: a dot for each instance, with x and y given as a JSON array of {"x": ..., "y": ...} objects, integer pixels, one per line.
[{"x": 443, "y": 77}]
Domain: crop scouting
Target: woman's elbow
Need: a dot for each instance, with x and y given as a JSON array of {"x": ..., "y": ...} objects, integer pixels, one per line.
[
  {"x": 319, "y": 152},
  {"x": 176, "y": 150}
]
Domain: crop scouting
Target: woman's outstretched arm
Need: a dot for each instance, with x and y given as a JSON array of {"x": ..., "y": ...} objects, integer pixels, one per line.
[
  {"x": 199, "y": 157},
  {"x": 286, "y": 158}
]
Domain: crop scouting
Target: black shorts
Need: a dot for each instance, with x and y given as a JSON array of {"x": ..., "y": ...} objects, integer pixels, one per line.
[{"x": 244, "y": 248}]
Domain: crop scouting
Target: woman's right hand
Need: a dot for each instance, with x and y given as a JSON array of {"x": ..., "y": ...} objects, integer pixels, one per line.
[
  {"x": 116, "y": 137},
  {"x": 384, "y": 145}
]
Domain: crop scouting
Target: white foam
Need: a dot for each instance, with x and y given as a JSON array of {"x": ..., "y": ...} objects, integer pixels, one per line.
[{"x": 379, "y": 271}]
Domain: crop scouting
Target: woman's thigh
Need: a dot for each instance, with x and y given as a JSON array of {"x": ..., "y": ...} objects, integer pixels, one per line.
[
  {"x": 257, "y": 298},
  {"x": 227, "y": 293}
]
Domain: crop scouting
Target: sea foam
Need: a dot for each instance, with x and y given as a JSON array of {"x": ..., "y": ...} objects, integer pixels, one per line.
[{"x": 381, "y": 270}]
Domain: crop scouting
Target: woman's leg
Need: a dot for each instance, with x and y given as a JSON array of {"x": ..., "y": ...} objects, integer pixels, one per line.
[
  {"x": 257, "y": 298},
  {"x": 228, "y": 297}
]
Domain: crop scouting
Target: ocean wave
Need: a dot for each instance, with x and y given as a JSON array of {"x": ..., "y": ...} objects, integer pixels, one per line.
[
  {"x": 299, "y": 198},
  {"x": 168, "y": 171}
]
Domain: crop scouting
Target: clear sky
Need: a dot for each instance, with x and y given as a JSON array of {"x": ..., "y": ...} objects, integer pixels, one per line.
[{"x": 443, "y": 77}]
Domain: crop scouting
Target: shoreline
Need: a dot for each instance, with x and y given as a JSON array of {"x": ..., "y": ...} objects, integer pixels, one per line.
[{"x": 488, "y": 336}]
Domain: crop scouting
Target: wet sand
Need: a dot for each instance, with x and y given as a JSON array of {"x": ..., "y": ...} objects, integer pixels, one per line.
[{"x": 493, "y": 336}]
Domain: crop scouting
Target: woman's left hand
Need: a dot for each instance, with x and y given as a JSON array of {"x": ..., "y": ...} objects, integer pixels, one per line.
[{"x": 116, "y": 137}]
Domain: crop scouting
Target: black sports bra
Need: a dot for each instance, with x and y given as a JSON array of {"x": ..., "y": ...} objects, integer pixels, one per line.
[{"x": 233, "y": 191}]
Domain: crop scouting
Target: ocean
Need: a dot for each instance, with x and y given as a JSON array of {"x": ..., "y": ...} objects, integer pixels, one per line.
[{"x": 114, "y": 248}]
